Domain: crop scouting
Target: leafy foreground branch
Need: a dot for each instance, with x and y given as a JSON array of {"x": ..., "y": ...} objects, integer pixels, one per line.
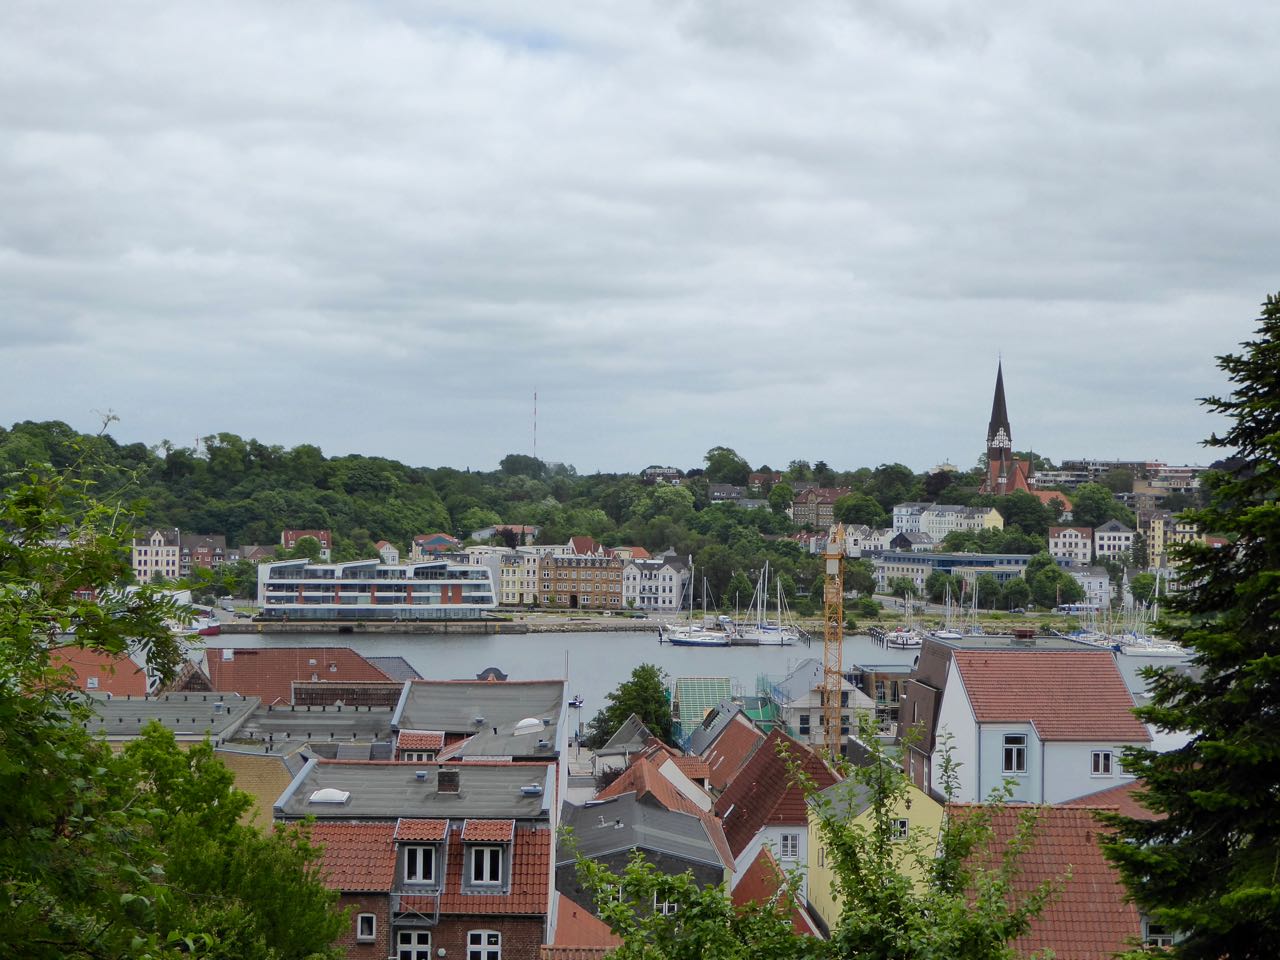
[
  {"x": 140, "y": 854},
  {"x": 946, "y": 895}
]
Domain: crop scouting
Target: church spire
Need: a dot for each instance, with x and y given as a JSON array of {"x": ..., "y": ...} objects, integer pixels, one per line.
[{"x": 999, "y": 433}]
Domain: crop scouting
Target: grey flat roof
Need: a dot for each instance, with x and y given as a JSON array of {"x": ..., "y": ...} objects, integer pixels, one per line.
[
  {"x": 328, "y": 724},
  {"x": 383, "y": 790},
  {"x": 602, "y": 827},
  {"x": 454, "y": 706},
  {"x": 186, "y": 714}
]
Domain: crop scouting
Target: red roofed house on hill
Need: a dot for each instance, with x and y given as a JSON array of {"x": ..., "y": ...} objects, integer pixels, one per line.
[
  {"x": 763, "y": 807},
  {"x": 1091, "y": 919},
  {"x": 1052, "y": 721},
  {"x": 289, "y": 539}
]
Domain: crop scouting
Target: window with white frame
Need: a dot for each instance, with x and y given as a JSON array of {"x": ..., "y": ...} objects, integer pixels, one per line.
[
  {"x": 366, "y": 927},
  {"x": 484, "y": 945},
  {"x": 789, "y": 846},
  {"x": 1156, "y": 934},
  {"x": 413, "y": 945},
  {"x": 486, "y": 865},
  {"x": 899, "y": 829},
  {"x": 664, "y": 907},
  {"x": 1015, "y": 753},
  {"x": 419, "y": 865},
  {"x": 1101, "y": 764},
  {"x": 418, "y": 756}
]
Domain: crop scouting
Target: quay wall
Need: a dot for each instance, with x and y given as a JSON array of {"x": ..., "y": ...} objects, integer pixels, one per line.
[{"x": 445, "y": 627}]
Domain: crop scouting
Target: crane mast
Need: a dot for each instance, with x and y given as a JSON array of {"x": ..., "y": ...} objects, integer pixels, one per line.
[{"x": 833, "y": 639}]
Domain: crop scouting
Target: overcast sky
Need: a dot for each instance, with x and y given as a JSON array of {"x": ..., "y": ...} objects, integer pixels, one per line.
[{"x": 803, "y": 230}]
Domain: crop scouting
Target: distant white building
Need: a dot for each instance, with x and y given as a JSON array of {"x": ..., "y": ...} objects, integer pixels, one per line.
[
  {"x": 1112, "y": 540},
  {"x": 157, "y": 555},
  {"x": 1096, "y": 583},
  {"x": 907, "y": 517},
  {"x": 657, "y": 585},
  {"x": 940, "y": 519},
  {"x": 389, "y": 552},
  {"x": 1073, "y": 544}
]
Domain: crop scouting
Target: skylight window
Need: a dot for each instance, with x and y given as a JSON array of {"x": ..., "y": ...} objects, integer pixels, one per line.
[{"x": 330, "y": 795}]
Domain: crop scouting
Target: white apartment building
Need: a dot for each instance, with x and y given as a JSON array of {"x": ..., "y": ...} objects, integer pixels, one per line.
[
  {"x": 1096, "y": 583},
  {"x": 518, "y": 578},
  {"x": 907, "y": 517},
  {"x": 1112, "y": 539},
  {"x": 939, "y": 519},
  {"x": 157, "y": 554},
  {"x": 657, "y": 585},
  {"x": 1074, "y": 544}
]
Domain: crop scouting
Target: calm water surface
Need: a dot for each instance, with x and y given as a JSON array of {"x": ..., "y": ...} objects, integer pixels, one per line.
[{"x": 595, "y": 663}]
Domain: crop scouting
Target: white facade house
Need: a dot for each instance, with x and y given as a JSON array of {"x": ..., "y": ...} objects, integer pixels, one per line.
[
  {"x": 939, "y": 519},
  {"x": 907, "y": 517},
  {"x": 518, "y": 578},
  {"x": 1073, "y": 544},
  {"x": 1054, "y": 723},
  {"x": 1112, "y": 539},
  {"x": 157, "y": 555},
  {"x": 657, "y": 585},
  {"x": 388, "y": 552},
  {"x": 1096, "y": 583},
  {"x": 877, "y": 541}
]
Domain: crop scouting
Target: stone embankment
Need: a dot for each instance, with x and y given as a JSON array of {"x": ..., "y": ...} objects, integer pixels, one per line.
[{"x": 454, "y": 627}]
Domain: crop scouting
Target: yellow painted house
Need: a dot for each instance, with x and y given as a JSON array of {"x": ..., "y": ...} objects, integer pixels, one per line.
[{"x": 917, "y": 816}]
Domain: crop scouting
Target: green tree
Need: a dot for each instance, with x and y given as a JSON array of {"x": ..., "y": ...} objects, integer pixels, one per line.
[
  {"x": 1146, "y": 588},
  {"x": 901, "y": 587},
  {"x": 725, "y": 466},
  {"x": 1093, "y": 505},
  {"x": 780, "y": 496},
  {"x": 1140, "y": 553},
  {"x": 955, "y": 895},
  {"x": 1017, "y": 593},
  {"x": 91, "y": 863},
  {"x": 988, "y": 591},
  {"x": 860, "y": 576},
  {"x": 738, "y": 592},
  {"x": 1207, "y": 866},
  {"x": 306, "y": 547},
  {"x": 645, "y": 695},
  {"x": 860, "y": 508}
]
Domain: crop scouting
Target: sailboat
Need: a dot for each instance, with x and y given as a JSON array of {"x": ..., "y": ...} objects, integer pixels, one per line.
[
  {"x": 764, "y": 632},
  {"x": 948, "y": 630},
  {"x": 689, "y": 635}
]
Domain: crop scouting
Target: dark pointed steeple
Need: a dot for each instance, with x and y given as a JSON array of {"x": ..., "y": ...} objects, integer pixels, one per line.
[{"x": 999, "y": 415}]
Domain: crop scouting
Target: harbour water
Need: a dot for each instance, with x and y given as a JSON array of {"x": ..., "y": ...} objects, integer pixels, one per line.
[{"x": 595, "y": 663}]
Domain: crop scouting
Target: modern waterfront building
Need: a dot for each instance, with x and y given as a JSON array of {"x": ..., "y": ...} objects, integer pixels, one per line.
[
  {"x": 916, "y": 567},
  {"x": 373, "y": 590}
]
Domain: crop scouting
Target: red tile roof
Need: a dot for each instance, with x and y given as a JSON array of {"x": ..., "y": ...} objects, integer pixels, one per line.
[
  {"x": 490, "y": 831},
  {"x": 118, "y": 675},
  {"x": 426, "y": 830},
  {"x": 730, "y": 751},
  {"x": 358, "y": 857},
  {"x": 269, "y": 672},
  {"x": 420, "y": 740},
  {"x": 760, "y": 884},
  {"x": 529, "y": 883},
  {"x": 1090, "y": 920},
  {"x": 578, "y": 927},
  {"x": 1066, "y": 694},
  {"x": 1123, "y": 798},
  {"x": 695, "y": 768},
  {"x": 763, "y": 792},
  {"x": 644, "y": 779}
]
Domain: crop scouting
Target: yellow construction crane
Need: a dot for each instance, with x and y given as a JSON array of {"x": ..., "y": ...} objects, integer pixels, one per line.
[{"x": 833, "y": 639}]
